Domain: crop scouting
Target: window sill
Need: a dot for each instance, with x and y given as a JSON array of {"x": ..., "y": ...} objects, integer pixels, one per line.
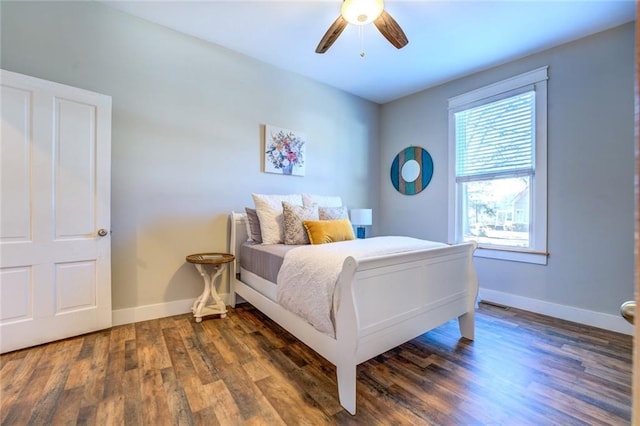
[{"x": 535, "y": 257}]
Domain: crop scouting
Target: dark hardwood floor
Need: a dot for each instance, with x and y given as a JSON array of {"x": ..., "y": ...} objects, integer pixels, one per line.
[{"x": 522, "y": 369}]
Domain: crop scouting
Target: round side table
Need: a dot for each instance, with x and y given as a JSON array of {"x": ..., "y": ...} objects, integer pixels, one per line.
[{"x": 217, "y": 261}]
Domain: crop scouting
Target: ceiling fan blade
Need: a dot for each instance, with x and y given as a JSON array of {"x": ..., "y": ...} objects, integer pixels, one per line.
[
  {"x": 391, "y": 30},
  {"x": 332, "y": 34}
]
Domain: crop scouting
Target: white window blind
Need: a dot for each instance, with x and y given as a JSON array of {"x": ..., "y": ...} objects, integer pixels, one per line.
[{"x": 496, "y": 139}]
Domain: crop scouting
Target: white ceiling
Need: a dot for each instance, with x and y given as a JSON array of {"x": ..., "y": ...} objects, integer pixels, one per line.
[{"x": 447, "y": 39}]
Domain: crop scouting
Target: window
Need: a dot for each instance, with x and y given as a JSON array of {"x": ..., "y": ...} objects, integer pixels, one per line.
[{"x": 498, "y": 178}]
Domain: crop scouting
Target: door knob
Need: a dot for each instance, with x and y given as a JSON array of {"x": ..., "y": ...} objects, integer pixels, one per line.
[
  {"x": 628, "y": 311},
  {"x": 102, "y": 232}
]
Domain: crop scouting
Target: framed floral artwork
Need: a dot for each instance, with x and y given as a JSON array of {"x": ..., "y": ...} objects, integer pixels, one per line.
[{"x": 284, "y": 151}]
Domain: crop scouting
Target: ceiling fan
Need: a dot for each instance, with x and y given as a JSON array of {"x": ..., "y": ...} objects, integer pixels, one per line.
[{"x": 361, "y": 12}]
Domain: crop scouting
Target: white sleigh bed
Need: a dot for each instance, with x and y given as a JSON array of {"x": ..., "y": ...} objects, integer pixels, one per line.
[{"x": 384, "y": 301}]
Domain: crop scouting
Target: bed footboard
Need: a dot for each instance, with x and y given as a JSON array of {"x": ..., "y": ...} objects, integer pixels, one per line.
[{"x": 386, "y": 301}]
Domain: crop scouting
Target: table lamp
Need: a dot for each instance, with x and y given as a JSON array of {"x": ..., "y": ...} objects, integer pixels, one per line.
[{"x": 361, "y": 218}]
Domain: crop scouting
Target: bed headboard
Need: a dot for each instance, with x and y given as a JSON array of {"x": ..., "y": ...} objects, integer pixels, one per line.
[{"x": 238, "y": 235}]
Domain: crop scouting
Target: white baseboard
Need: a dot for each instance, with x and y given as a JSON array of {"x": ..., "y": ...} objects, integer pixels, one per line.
[
  {"x": 582, "y": 316},
  {"x": 595, "y": 319},
  {"x": 157, "y": 310}
]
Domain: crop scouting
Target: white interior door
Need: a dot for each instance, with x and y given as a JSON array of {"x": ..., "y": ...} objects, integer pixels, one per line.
[{"x": 55, "y": 165}]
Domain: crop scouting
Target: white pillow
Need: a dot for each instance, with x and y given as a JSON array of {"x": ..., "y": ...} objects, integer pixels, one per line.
[
  {"x": 321, "y": 200},
  {"x": 269, "y": 210}
]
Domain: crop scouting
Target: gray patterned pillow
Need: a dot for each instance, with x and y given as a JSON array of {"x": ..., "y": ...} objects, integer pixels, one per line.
[
  {"x": 294, "y": 231},
  {"x": 253, "y": 225},
  {"x": 333, "y": 213}
]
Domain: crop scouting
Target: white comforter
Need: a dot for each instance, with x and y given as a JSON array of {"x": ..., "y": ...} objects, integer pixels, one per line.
[{"x": 309, "y": 274}]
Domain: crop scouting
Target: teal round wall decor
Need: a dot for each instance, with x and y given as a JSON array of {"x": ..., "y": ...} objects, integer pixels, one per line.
[{"x": 411, "y": 170}]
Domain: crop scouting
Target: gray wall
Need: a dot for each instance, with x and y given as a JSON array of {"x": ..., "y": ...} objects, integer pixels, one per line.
[
  {"x": 187, "y": 149},
  {"x": 590, "y": 172},
  {"x": 186, "y": 138}
]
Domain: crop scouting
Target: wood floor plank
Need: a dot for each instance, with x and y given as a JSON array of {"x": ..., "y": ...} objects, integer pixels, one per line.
[
  {"x": 154, "y": 401},
  {"x": 21, "y": 410},
  {"x": 133, "y": 400},
  {"x": 267, "y": 414},
  {"x": 522, "y": 369},
  {"x": 68, "y": 408},
  {"x": 242, "y": 389},
  {"x": 130, "y": 355},
  {"x": 180, "y": 359},
  {"x": 14, "y": 376},
  {"x": 202, "y": 364},
  {"x": 197, "y": 394},
  {"x": 576, "y": 405},
  {"x": 95, "y": 381},
  {"x": 80, "y": 370},
  {"x": 375, "y": 403},
  {"x": 206, "y": 416},
  {"x": 450, "y": 380},
  {"x": 307, "y": 385},
  {"x": 292, "y": 407},
  {"x": 225, "y": 349},
  {"x": 255, "y": 370},
  {"x": 151, "y": 349},
  {"x": 178, "y": 404},
  {"x": 43, "y": 411},
  {"x": 226, "y": 410},
  {"x": 110, "y": 411},
  {"x": 87, "y": 415},
  {"x": 254, "y": 407},
  {"x": 168, "y": 322},
  {"x": 120, "y": 335},
  {"x": 203, "y": 342},
  {"x": 499, "y": 384},
  {"x": 113, "y": 384},
  {"x": 88, "y": 343},
  {"x": 325, "y": 381}
]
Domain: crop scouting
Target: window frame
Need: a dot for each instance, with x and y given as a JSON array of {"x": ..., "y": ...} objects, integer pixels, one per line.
[{"x": 533, "y": 80}]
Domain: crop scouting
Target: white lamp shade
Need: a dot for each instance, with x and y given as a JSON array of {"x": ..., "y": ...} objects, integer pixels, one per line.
[
  {"x": 361, "y": 12},
  {"x": 361, "y": 217}
]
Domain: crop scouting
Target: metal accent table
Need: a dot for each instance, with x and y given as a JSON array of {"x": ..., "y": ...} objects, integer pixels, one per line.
[{"x": 217, "y": 261}]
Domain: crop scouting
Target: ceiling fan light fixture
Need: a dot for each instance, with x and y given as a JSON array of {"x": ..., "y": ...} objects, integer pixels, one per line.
[{"x": 361, "y": 12}]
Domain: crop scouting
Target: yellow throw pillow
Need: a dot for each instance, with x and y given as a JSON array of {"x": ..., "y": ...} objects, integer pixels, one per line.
[{"x": 328, "y": 231}]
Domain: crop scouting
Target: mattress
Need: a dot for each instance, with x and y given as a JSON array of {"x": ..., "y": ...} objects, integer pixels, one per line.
[{"x": 263, "y": 260}]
